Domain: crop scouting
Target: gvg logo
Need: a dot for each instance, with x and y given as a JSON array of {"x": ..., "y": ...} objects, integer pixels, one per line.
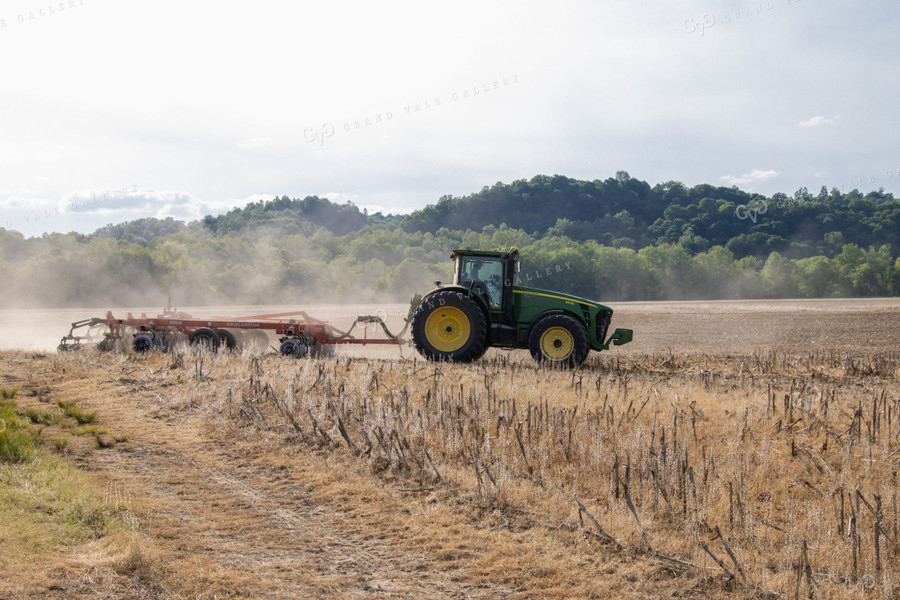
[
  {"x": 700, "y": 25},
  {"x": 751, "y": 211},
  {"x": 311, "y": 135},
  {"x": 383, "y": 315},
  {"x": 708, "y": 20}
]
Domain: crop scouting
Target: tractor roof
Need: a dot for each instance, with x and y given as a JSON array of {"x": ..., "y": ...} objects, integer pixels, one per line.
[{"x": 471, "y": 252}]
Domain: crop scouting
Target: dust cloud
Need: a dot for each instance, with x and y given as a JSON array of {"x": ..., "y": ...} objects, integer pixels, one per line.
[
  {"x": 267, "y": 266},
  {"x": 673, "y": 326},
  {"x": 40, "y": 330}
]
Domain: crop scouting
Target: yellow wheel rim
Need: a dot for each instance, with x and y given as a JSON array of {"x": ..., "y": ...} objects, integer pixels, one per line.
[
  {"x": 447, "y": 329},
  {"x": 557, "y": 343}
]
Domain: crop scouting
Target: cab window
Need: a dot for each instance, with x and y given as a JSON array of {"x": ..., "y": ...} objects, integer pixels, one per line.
[{"x": 487, "y": 274}]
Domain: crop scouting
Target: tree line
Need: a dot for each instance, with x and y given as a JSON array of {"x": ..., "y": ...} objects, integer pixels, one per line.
[
  {"x": 624, "y": 212},
  {"x": 634, "y": 242}
]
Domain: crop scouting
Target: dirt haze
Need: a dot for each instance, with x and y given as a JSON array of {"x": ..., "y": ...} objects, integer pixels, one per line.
[{"x": 658, "y": 326}]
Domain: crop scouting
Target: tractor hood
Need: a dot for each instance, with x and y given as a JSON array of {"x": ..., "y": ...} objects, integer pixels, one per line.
[
  {"x": 531, "y": 304},
  {"x": 557, "y": 296}
]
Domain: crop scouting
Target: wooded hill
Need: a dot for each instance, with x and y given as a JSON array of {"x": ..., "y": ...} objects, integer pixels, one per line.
[{"x": 618, "y": 239}]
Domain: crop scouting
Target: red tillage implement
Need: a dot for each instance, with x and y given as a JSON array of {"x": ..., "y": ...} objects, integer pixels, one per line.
[{"x": 298, "y": 333}]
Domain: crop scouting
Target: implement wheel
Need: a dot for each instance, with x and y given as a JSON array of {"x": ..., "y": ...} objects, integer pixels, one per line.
[
  {"x": 142, "y": 343},
  {"x": 205, "y": 338},
  {"x": 227, "y": 338},
  {"x": 449, "y": 326},
  {"x": 254, "y": 339},
  {"x": 289, "y": 347},
  {"x": 559, "y": 341},
  {"x": 295, "y": 347}
]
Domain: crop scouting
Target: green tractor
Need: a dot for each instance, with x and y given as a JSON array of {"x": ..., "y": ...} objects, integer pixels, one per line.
[{"x": 482, "y": 308}]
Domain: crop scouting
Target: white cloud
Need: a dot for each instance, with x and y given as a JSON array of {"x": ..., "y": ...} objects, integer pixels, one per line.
[
  {"x": 342, "y": 198},
  {"x": 252, "y": 143},
  {"x": 819, "y": 121},
  {"x": 13, "y": 202},
  {"x": 378, "y": 208},
  {"x": 754, "y": 176},
  {"x": 599, "y": 87},
  {"x": 217, "y": 207}
]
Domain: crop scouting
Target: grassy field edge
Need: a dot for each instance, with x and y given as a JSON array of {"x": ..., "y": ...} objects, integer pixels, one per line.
[{"x": 61, "y": 528}]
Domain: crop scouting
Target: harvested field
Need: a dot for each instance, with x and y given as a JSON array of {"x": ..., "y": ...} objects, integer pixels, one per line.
[{"x": 735, "y": 449}]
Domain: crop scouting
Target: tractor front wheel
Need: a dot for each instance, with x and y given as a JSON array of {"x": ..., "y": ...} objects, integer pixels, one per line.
[
  {"x": 449, "y": 326},
  {"x": 559, "y": 341}
]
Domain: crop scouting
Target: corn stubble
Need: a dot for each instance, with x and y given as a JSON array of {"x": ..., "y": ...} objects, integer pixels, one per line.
[{"x": 772, "y": 472}]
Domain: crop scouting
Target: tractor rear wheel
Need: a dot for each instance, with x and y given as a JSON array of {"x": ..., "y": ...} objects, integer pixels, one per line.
[
  {"x": 559, "y": 341},
  {"x": 449, "y": 326}
]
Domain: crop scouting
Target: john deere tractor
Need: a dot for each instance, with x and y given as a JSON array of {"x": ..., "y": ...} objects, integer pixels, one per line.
[{"x": 483, "y": 308}]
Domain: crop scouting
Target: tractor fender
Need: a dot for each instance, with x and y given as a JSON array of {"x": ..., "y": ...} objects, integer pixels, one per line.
[{"x": 462, "y": 290}]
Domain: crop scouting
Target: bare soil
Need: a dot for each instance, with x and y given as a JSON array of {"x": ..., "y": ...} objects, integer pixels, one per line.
[
  {"x": 659, "y": 326},
  {"x": 811, "y": 325}
]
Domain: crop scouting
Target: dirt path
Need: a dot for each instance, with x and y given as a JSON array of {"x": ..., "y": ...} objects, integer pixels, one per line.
[
  {"x": 232, "y": 520},
  {"x": 249, "y": 529}
]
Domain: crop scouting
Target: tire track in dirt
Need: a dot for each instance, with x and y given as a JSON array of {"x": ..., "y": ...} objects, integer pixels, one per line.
[{"x": 234, "y": 524}]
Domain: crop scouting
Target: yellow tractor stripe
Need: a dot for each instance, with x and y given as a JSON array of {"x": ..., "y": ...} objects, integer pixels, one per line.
[{"x": 556, "y": 297}]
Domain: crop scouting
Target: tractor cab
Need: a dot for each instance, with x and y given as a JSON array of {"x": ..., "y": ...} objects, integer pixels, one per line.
[{"x": 489, "y": 274}]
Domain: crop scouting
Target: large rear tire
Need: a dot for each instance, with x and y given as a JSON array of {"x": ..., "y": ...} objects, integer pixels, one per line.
[
  {"x": 559, "y": 341},
  {"x": 449, "y": 326}
]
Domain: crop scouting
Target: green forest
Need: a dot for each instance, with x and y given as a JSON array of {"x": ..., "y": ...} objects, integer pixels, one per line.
[{"x": 617, "y": 239}]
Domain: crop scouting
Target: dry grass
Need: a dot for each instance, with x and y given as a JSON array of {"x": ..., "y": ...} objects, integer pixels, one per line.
[
  {"x": 730, "y": 473},
  {"x": 691, "y": 460}
]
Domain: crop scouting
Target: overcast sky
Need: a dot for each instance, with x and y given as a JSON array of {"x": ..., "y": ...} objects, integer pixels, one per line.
[{"x": 114, "y": 110}]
